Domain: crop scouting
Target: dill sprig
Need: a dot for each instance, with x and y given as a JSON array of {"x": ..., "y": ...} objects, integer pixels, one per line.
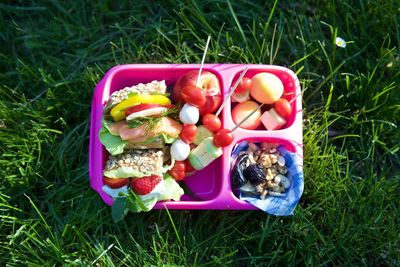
[{"x": 151, "y": 122}]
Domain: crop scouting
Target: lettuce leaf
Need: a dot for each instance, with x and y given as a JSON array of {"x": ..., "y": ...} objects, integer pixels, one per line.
[
  {"x": 107, "y": 124},
  {"x": 132, "y": 203},
  {"x": 135, "y": 204},
  {"x": 127, "y": 172},
  {"x": 113, "y": 143},
  {"x": 119, "y": 209},
  {"x": 172, "y": 190},
  {"x": 168, "y": 139},
  {"x": 168, "y": 189}
]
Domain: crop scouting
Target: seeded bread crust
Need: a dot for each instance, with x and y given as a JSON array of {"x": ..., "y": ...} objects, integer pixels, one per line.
[
  {"x": 144, "y": 161},
  {"x": 157, "y": 143},
  {"x": 141, "y": 88}
]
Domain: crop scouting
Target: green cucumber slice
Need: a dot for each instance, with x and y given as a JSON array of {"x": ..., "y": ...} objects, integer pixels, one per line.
[{"x": 202, "y": 133}]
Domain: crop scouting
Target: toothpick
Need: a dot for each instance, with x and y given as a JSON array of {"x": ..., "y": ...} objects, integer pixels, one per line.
[
  {"x": 248, "y": 116},
  {"x": 202, "y": 60},
  {"x": 291, "y": 101},
  {"x": 231, "y": 92}
]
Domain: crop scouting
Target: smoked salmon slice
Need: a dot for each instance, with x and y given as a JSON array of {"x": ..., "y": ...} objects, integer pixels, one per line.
[{"x": 139, "y": 134}]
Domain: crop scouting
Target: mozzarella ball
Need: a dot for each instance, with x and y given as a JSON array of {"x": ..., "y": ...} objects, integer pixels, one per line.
[
  {"x": 180, "y": 150},
  {"x": 189, "y": 114}
]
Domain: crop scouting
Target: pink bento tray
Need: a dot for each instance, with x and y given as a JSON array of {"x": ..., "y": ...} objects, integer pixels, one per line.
[{"x": 211, "y": 186}]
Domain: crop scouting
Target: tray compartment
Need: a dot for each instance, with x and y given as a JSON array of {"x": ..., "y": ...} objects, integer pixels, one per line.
[
  {"x": 232, "y": 194},
  {"x": 290, "y": 90}
]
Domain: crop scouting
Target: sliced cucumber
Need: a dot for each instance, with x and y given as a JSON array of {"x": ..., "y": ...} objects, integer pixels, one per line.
[{"x": 202, "y": 133}]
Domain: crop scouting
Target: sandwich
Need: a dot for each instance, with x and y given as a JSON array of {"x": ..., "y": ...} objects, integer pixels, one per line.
[
  {"x": 142, "y": 172},
  {"x": 138, "y": 125},
  {"x": 139, "y": 117}
]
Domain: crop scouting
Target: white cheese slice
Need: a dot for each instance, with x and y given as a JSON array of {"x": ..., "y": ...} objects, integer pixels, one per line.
[{"x": 146, "y": 113}]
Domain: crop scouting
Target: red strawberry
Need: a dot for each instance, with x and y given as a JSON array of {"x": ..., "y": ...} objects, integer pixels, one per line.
[{"x": 144, "y": 185}]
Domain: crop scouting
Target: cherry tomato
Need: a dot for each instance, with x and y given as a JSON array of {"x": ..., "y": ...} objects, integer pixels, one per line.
[
  {"x": 178, "y": 171},
  {"x": 211, "y": 105},
  {"x": 283, "y": 108},
  {"x": 177, "y": 175},
  {"x": 243, "y": 85},
  {"x": 179, "y": 165},
  {"x": 188, "y": 133},
  {"x": 188, "y": 166},
  {"x": 193, "y": 95},
  {"x": 115, "y": 182},
  {"x": 223, "y": 138},
  {"x": 212, "y": 122}
]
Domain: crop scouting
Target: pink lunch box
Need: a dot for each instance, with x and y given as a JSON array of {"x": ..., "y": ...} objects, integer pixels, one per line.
[{"x": 211, "y": 186}]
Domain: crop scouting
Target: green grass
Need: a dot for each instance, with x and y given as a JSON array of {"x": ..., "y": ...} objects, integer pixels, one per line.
[{"x": 53, "y": 54}]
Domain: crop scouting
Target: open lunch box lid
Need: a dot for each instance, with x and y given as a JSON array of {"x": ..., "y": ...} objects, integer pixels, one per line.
[{"x": 211, "y": 187}]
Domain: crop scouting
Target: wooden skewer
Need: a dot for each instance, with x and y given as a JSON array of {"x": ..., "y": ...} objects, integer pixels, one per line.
[
  {"x": 248, "y": 116},
  {"x": 202, "y": 60},
  {"x": 291, "y": 101},
  {"x": 231, "y": 92}
]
